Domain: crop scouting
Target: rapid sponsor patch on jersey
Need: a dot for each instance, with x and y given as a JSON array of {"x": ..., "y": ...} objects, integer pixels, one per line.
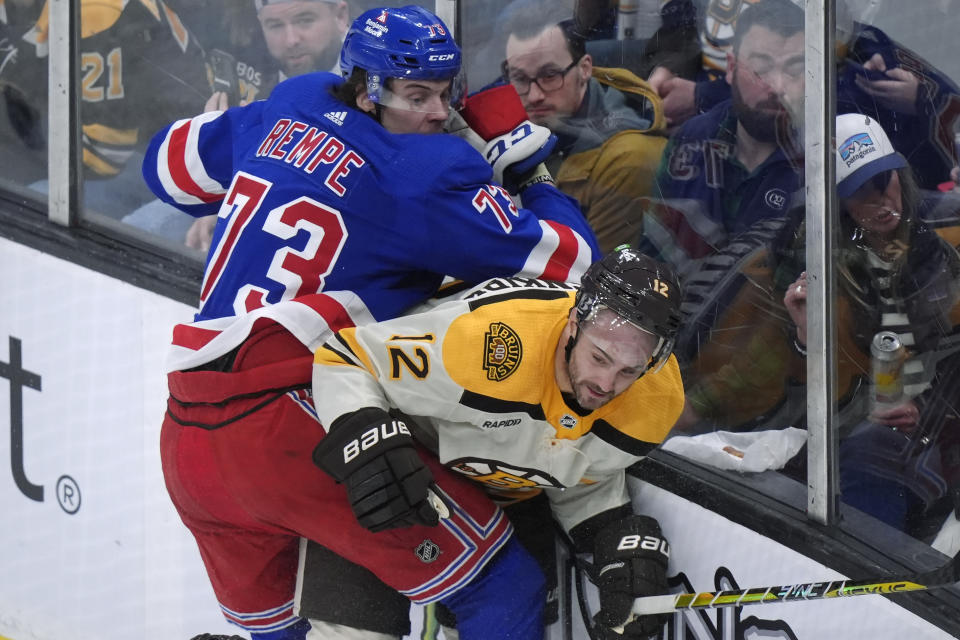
[
  {"x": 499, "y": 424},
  {"x": 502, "y": 351}
]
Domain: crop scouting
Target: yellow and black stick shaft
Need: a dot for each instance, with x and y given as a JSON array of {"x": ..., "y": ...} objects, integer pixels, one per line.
[{"x": 944, "y": 576}]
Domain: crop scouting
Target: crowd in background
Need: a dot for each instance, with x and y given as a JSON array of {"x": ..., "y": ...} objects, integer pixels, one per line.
[{"x": 679, "y": 132}]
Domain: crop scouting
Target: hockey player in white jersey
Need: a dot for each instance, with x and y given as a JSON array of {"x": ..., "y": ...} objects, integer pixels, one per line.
[{"x": 524, "y": 386}]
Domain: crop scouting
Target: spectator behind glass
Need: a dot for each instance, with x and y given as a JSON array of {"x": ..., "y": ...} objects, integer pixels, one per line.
[
  {"x": 303, "y": 35},
  {"x": 300, "y": 36},
  {"x": 740, "y": 164},
  {"x": 606, "y": 120},
  {"x": 898, "y": 461},
  {"x": 138, "y": 67},
  {"x": 896, "y": 274},
  {"x": 876, "y": 75},
  {"x": 21, "y": 129}
]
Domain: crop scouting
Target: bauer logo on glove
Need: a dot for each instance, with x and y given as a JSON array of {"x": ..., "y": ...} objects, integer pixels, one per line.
[
  {"x": 374, "y": 457},
  {"x": 630, "y": 561},
  {"x": 373, "y": 436},
  {"x": 646, "y": 543}
]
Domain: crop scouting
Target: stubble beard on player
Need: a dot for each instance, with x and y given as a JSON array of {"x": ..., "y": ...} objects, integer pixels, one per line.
[
  {"x": 581, "y": 390},
  {"x": 588, "y": 400}
]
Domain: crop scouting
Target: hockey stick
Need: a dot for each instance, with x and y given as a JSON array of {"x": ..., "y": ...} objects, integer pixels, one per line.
[{"x": 944, "y": 576}]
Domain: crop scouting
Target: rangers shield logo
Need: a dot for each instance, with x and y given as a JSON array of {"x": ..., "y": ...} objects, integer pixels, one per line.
[{"x": 502, "y": 351}]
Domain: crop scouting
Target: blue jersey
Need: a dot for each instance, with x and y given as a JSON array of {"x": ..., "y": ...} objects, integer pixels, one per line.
[
  {"x": 707, "y": 197},
  {"x": 313, "y": 196}
]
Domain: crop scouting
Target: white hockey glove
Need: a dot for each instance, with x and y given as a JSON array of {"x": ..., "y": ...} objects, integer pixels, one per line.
[
  {"x": 387, "y": 483},
  {"x": 518, "y": 152},
  {"x": 630, "y": 561},
  {"x": 516, "y": 147}
]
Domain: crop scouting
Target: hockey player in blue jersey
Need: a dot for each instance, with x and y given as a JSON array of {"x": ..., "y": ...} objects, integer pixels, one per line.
[
  {"x": 318, "y": 191},
  {"x": 337, "y": 205}
]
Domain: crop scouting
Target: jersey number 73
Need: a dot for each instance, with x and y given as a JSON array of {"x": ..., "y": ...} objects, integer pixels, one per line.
[{"x": 297, "y": 272}]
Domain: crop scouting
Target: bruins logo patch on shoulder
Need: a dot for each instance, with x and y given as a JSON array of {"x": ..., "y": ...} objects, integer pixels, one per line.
[{"x": 502, "y": 351}]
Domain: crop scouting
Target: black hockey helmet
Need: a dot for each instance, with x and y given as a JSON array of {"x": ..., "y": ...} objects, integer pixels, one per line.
[{"x": 641, "y": 290}]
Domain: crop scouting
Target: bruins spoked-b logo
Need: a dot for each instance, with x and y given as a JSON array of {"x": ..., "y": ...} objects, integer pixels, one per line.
[{"x": 502, "y": 351}]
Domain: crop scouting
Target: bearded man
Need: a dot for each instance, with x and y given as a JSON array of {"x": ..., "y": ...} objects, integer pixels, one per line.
[{"x": 741, "y": 162}]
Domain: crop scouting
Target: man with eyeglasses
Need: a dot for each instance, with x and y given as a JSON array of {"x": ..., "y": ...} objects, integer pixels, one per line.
[
  {"x": 740, "y": 163},
  {"x": 608, "y": 122}
]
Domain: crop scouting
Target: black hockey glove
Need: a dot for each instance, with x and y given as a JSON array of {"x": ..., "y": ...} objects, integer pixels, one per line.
[
  {"x": 630, "y": 560},
  {"x": 373, "y": 455}
]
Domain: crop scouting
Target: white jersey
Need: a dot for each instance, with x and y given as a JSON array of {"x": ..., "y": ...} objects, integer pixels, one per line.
[{"x": 477, "y": 378}]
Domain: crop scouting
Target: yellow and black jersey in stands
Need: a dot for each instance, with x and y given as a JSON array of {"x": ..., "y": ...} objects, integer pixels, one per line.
[
  {"x": 139, "y": 68},
  {"x": 477, "y": 377}
]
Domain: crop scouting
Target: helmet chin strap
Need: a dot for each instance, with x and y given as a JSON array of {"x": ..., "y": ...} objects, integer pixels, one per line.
[{"x": 571, "y": 342}]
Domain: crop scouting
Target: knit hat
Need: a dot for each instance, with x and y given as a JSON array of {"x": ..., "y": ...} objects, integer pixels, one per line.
[{"x": 863, "y": 151}]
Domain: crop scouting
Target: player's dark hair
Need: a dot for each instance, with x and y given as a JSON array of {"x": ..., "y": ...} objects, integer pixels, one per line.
[
  {"x": 528, "y": 18},
  {"x": 348, "y": 91},
  {"x": 783, "y": 17}
]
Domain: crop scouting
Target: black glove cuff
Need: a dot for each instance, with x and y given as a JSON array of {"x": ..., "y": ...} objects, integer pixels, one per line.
[
  {"x": 357, "y": 437},
  {"x": 584, "y": 533},
  {"x": 630, "y": 559}
]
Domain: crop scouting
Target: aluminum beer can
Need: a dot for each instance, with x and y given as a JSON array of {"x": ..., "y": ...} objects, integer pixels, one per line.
[{"x": 887, "y": 356}]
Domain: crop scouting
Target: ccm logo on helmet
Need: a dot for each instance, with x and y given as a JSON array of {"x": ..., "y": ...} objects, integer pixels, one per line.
[
  {"x": 371, "y": 437},
  {"x": 438, "y": 57}
]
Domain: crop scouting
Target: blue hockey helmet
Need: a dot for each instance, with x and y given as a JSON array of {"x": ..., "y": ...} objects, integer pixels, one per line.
[{"x": 407, "y": 42}]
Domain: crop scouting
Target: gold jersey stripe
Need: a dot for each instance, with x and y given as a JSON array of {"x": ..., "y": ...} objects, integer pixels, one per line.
[
  {"x": 98, "y": 165},
  {"x": 109, "y": 135}
]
